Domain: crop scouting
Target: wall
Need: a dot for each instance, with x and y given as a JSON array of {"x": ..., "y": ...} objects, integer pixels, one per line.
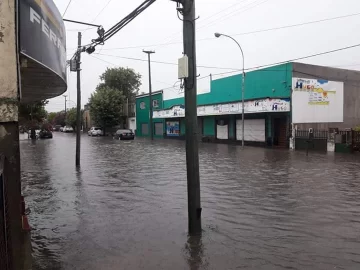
[
  {"x": 270, "y": 82},
  {"x": 351, "y": 81},
  {"x": 142, "y": 114},
  {"x": 209, "y": 125},
  {"x": 317, "y": 101},
  {"x": 8, "y": 62},
  {"x": 9, "y": 137}
]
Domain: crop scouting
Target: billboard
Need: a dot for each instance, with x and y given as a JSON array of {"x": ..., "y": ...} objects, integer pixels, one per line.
[
  {"x": 42, "y": 34},
  {"x": 317, "y": 101},
  {"x": 173, "y": 128}
]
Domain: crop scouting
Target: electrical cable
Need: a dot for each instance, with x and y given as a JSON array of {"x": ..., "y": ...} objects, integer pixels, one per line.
[
  {"x": 244, "y": 33},
  {"x": 232, "y": 13},
  {"x": 234, "y": 70},
  {"x": 171, "y": 37},
  {"x": 67, "y": 8},
  {"x": 293, "y": 60},
  {"x": 162, "y": 62},
  {"x": 117, "y": 27}
]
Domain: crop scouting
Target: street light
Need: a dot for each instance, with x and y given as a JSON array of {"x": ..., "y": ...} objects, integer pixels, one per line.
[{"x": 242, "y": 86}]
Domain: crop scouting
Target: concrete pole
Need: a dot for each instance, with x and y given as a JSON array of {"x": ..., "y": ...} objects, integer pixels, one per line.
[
  {"x": 9, "y": 132},
  {"x": 191, "y": 135},
  {"x": 78, "y": 107},
  {"x": 65, "y": 105},
  {"x": 150, "y": 96}
]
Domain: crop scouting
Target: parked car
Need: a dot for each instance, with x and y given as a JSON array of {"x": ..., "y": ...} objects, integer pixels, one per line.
[
  {"x": 57, "y": 128},
  {"x": 61, "y": 129},
  {"x": 124, "y": 134},
  {"x": 45, "y": 134},
  {"x": 95, "y": 131},
  {"x": 68, "y": 129}
]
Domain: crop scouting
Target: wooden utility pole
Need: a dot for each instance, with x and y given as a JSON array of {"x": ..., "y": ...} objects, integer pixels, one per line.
[
  {"x": 150, "y": 95},
  {"x": 191, "y": 135},
  {"x": 78, "y": 107}
]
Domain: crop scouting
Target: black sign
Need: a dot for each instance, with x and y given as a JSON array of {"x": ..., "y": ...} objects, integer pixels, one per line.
[{"x": 42, "y": 34}]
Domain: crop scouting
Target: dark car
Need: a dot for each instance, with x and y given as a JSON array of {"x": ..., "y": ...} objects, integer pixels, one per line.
[
  {"x": 45, "y": 134},
  {"x": 124, "y": 134}
]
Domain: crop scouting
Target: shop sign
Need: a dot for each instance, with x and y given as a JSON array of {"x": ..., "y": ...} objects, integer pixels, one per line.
[
  {"x": 254, "y": 106},
  {"x": 42, "y": 34}
]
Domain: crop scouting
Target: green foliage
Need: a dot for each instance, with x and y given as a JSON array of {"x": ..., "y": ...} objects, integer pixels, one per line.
[
  {"x": 51, "y": 117},
  {"x": 59, "y": 119},
  {"x": 71, "y": 118},
  {"x": 33, "y": 112},
  {"x": 357, "y": 128},
  {"x": 106, "y": 106},
  {"x": 108, "y": 102},
  {"x": 122, "y": 79}
]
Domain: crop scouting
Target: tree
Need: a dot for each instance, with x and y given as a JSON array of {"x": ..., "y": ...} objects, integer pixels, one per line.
[
  {"x": 71, "y": 118},
  {"x": 59, "y": 119},
  {"x": 51, "y": 117},
  {"x": 32, "y": 113},
  {"x": 122, "y": 79},
  {"x": 106, "y": 106},
  {"x": 108, "y": 101}
]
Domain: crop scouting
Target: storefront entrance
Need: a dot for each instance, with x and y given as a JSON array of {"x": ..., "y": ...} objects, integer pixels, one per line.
[{"x": 280, "y": 130}]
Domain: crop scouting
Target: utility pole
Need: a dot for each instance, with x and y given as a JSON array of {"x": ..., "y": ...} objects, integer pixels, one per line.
[
  {"x": 65, "y": 104},
  {"x": 78, "y": 108},
  {"x": 150, "y": 94},
  {"x": 191, "y": 135}
]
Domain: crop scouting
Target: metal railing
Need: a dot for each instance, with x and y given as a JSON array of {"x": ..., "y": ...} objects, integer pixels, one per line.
[
  {"x": 318, "y": 134},
  {"x": 5, "y": 241}
]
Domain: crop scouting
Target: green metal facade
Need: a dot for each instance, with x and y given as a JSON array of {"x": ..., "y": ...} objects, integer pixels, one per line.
[
  {"x": 143, "y": 113},
  {"x": 272, "y": 82}
]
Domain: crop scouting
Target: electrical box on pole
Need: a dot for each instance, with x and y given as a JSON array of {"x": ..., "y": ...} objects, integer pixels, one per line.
[
  {"x": 183, "y": 67},
  {"x": 73, "y": 65}
]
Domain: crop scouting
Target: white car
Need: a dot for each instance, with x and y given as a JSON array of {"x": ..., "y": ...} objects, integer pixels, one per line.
[
  {"x": 95, "y": 131},
  {"x": 68, "y": 129}
]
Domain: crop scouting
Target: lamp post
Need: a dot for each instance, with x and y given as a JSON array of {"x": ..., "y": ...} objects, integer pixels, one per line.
[{"x": 242, "y": 85}]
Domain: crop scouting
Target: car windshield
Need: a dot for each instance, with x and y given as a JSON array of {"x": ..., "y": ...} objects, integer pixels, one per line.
[{"x": 97, "y": 128}]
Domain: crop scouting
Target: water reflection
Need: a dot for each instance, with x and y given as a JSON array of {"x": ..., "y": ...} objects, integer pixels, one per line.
[
  {"x": 125, "y": 208},
  {"x": 194, "y": 252}
]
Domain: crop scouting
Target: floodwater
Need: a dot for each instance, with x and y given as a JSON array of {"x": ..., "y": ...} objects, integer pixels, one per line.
[{"x": 126, "y": 207}]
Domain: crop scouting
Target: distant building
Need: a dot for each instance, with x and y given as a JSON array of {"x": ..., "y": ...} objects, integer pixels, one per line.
[{"x": 86, "y": 118}]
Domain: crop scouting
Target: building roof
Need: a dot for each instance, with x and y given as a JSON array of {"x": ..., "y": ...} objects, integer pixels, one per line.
[{"x": 147, "y": 94}]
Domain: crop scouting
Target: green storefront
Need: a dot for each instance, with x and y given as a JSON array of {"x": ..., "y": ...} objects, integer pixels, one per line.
[{"x": 267, "y": 109}]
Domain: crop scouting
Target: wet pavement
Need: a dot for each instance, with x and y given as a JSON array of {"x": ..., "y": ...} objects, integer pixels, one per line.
[{"x": 126, "y": 207}]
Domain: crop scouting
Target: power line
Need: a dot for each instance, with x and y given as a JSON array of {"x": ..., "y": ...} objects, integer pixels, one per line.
[
  {"x": 232, "y": 13},
  {"x": 170, "y": 38},
  {"x": 293, "y": 60},
  {"x": 244, "y": 33},
  {"x": 252, "y": 68},
  {"x": 159, "y": 62},
  {"x": 67, "y": 8}
]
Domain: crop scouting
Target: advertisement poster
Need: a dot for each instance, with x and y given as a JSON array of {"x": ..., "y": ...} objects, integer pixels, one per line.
[
  {"x": 173, "y": 128},
  {"x": 317, "y": 101}
]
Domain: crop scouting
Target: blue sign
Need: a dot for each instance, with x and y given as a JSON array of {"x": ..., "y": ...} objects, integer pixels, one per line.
[{"x": 173, "y": 128}]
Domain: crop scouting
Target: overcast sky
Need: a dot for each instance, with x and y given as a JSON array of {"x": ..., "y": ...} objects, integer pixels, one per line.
[{"x": 159, "y": 25}]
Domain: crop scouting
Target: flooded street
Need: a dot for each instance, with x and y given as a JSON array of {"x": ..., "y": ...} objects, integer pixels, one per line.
[{"x": 126, "y": 207}]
